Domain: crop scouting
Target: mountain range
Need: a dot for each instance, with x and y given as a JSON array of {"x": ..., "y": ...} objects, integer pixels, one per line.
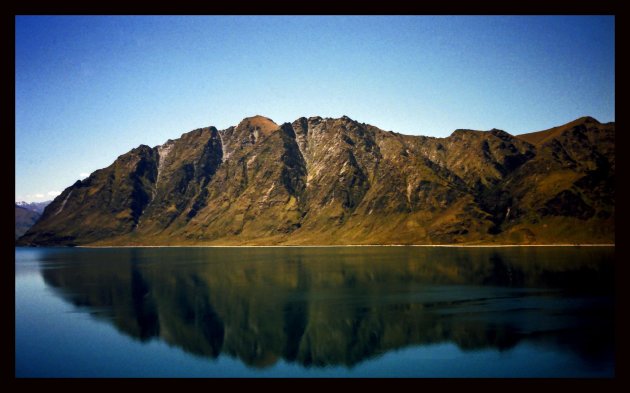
[
  {"x": 27, "y": 214},
  {"x": 319, "y": 181}
]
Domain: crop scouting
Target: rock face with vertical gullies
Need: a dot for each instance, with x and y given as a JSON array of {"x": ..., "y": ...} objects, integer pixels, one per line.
[{"x": 337, "y": 181}]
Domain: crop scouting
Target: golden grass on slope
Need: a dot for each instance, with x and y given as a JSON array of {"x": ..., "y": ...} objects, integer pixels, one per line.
[
  {"x": 540, "y": 137},
  {"x": 264, "y": 125}
]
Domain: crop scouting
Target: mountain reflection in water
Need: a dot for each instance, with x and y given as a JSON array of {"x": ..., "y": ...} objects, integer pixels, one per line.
[{"x": 341, "y": 306}]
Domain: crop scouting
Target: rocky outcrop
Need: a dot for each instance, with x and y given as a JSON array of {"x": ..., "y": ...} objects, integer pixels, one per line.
[{"x": 338, "y": 181}]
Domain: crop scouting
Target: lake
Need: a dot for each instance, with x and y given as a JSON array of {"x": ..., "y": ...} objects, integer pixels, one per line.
[{"x": 315, "y": 312}]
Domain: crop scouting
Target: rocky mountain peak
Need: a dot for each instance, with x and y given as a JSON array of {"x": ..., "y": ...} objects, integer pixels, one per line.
[
  {"x": 587, "y": 119},
  {"x": 262, "y": 124},
  {"x": 338, "y": 181}
]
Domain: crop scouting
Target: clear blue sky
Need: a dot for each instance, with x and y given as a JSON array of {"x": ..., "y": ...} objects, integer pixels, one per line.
[{"x": 89, "y": 89}]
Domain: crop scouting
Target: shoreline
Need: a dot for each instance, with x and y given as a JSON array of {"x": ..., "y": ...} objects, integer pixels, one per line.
[{"x": 364, "y": 245}]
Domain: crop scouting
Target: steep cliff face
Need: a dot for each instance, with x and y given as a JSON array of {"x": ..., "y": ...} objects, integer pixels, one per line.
[
  {"x": 106, "y": 204},
  {"x": 338, "y": 181}
]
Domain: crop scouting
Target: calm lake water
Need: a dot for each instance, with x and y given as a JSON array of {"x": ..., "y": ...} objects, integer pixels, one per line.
[{"x": 315, "y": 312}]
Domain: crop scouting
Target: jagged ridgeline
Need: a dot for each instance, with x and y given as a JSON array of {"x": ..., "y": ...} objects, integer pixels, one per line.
[{"x": 338, "y": 181}]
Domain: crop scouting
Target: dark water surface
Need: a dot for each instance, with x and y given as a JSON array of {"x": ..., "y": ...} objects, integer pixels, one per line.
[{"x": 315, "y": 312}]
